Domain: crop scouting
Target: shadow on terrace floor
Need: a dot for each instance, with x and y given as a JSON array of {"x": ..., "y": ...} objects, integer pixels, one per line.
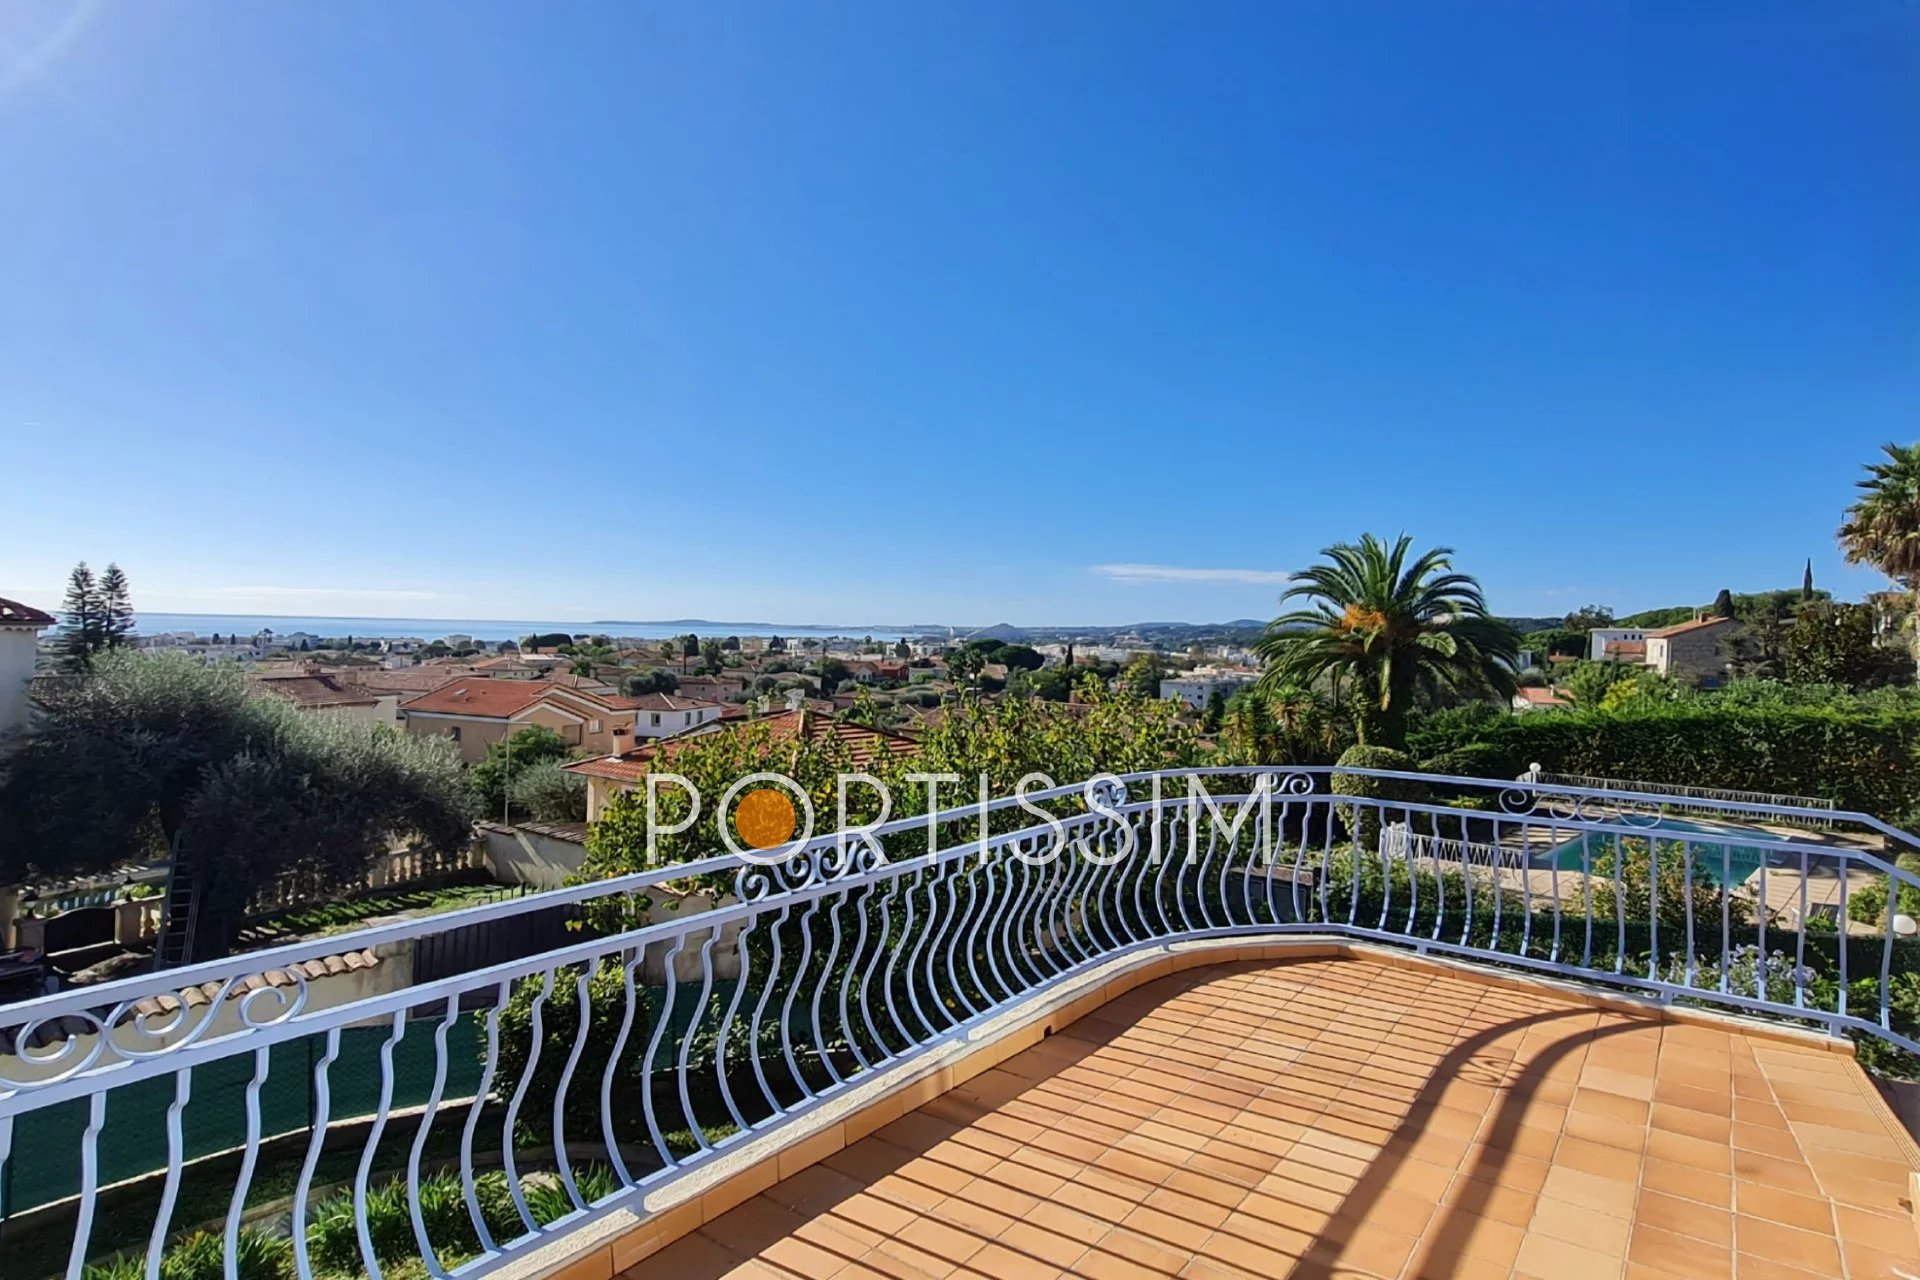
[{"x": 1349, "y": 1118}]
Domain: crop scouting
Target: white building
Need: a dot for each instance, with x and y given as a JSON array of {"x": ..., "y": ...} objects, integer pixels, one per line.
[
  {"x": 20, "y": 628},
  {"x": 661, "y": 715},
  {"x": 1196, "y": 687},
  {"x": 1600, "y": 637}
]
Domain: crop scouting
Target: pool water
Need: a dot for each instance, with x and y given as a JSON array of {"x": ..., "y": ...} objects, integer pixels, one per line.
[{"x": 1710, "y": 857}]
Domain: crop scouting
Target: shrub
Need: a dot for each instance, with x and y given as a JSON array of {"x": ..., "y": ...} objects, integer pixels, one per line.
[
  {"x": 334, "y": 1244},
  {"x": 202, "y": 1256},
  {"x": 1474, "y": 760},
  {"x": 1859, "y": 756},
  {"x": 1363, "y": 821},
  {"x": 1868, "y": 905},
  {"x": 493, "y": 778},
  {"x": 546, "y": 792},
  {"x": 560, "y": 1024},
  {"x": 1748, "y": 970},
  {"x": 1637, "y": 889}
]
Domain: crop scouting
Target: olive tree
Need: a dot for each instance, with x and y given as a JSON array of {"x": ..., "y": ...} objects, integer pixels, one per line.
[{"x": 149, "y": 756}]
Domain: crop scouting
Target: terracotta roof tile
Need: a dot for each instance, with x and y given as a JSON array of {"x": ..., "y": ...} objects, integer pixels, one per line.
[
  {"x": 669, "y": 702},
  {"x": 1697, "y": 624},
  {"x": 863, "y": 745},
  {"x": 406, "y": 681},
  {"x": 15, "y": 614},
  {"x": 314, "y": 691},
  {"x": 501, "y": 699}
]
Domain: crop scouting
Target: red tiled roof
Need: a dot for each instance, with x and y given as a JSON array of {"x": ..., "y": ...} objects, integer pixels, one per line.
[
  {"x": 405, "y": 681},
  {"x": 15, "y": 614},
  {"x": 1696, "y": 625},
  {"x": 1628, "y": 647},
  {"x": 1543, "y": 697},
  {"x": 314, "y": 691},
  {"x": 669, "y": 702},
  {"x": 501, "y": 699},
  {"x": 744, "y": 710},
  {"x": 863, "y": 745}
]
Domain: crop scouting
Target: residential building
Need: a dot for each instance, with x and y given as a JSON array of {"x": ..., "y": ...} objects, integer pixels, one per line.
[
  {"x": 1196, "y": 687},
  {"x": 661, "y": 715},
  {"x": 608, "y": 776},
  {"x": 477, "y": 712},
  {"x": 316, "y": 690},
  {"x": 390, "y": 688},
  {"x": 1631, "y": 653},
  {"x": 711, "y": 688},
  {"x": 1692, "y": 652},
  {"x": 518, "y": 666},
  {"x": 20, "y": 628},
  {"x": 1535, "y": 698},
  {"x": 1600, "y": 638},
  {"x": 763, "y": 704},
  {"x": 877, "y": 670}
]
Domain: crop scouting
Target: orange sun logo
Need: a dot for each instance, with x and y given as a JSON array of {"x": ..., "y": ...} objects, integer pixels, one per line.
[{"x": 765, "y": 818}]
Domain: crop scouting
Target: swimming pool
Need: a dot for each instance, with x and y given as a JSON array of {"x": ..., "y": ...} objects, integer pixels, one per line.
[{"x": 1710, "y": 856}]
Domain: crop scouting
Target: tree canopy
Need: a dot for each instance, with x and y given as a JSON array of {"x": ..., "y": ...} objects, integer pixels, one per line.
[
  {"x": 1882, "y": 527},
  {"x": 96, "y": 615},
  {"x": 1837, "y": 644},
  {"x": 147, "y": 755},
  {"x": 1002, "y": 740},
  {"x": 1394, "y": 627},
  {"x": 493, "y": 778},
  {"x": 652, "y": 680}
]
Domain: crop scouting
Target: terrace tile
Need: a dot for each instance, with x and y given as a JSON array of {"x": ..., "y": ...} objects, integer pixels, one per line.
[{"x": 1346, "y": 1118}]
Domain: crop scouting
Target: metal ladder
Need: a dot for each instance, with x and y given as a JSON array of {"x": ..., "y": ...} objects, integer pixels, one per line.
[{"x": 177, "y": 914}]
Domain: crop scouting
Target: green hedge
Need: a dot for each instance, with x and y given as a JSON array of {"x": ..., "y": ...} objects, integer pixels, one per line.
[
  {"x": 1363, "y": 821},
  {"x": 1859, "y": 760}
]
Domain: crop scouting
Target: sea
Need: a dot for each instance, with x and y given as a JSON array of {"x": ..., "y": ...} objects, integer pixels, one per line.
[{"x": 492, "y": 630}]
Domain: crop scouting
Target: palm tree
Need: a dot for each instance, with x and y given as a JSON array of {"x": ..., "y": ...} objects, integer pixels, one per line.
[
  {"x": 1883, "y": 528},
  {"x": 963, "y": 664},
  {"x": 1392, "y": 629}
]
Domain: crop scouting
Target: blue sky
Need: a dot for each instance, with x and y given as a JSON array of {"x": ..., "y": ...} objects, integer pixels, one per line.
[{"x": 939, "y": 312}]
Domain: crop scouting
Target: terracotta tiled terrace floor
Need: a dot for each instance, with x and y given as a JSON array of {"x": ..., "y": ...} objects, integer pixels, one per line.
[{"x": 1349, "y": 1118}]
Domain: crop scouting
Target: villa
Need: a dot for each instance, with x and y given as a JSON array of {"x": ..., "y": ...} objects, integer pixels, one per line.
[{"x": 477, "y": 712}]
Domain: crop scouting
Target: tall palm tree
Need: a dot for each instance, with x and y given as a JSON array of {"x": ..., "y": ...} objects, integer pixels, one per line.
[
  {"x": 1391, "y": 627},
  {"x": 1883, "y": 527}
]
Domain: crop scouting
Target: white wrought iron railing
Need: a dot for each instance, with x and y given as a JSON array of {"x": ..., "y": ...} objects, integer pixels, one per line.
[
  {"x": 460, "y": 1123},
  {"x": 1812, "y": 811},
  {"x": 1401, "y": 843}
]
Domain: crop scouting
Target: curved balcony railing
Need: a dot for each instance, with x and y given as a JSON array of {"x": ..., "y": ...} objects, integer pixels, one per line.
[
  {"x": 1680, "y": 798},
  {"x": 463, "y": 1122}
]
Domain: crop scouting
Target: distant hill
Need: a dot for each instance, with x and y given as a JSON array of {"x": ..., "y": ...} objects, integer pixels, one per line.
[
  {"x": 1745, "y": 605},
  {"x": 1526, "y": 625}
]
